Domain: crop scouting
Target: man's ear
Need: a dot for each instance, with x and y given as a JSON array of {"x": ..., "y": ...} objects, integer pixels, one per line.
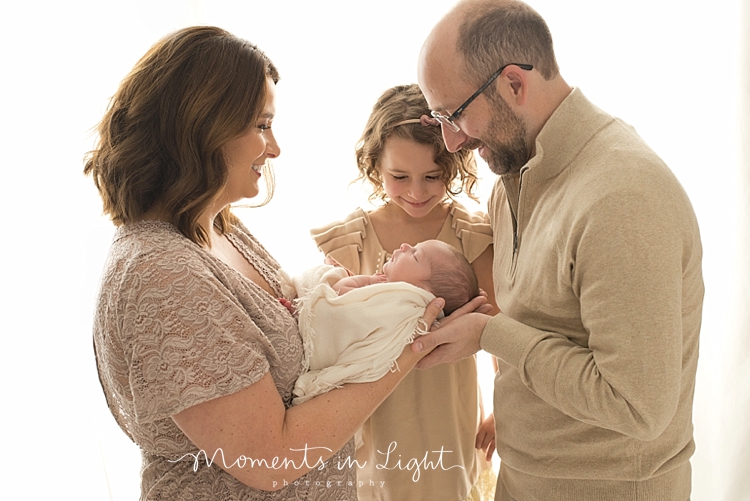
[{"x": 517, "y": 83}]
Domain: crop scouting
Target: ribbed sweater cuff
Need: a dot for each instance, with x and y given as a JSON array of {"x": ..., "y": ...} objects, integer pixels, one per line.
[{"x": 508, "y": 339}]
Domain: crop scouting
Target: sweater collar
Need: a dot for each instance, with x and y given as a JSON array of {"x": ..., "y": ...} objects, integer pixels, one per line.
[{"x": 565, "y": 134}]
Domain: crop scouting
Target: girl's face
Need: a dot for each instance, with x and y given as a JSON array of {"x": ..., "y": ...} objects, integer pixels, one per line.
[
  {"x": 245, "y": 155},
  {"x": 411, "y": 178}
]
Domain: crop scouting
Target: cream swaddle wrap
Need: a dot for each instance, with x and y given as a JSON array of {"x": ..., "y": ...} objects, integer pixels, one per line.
[{"x": 355, "y": 337}]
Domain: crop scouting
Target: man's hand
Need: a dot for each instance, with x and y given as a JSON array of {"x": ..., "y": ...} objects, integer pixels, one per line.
[{"x": 456, "y": 336}]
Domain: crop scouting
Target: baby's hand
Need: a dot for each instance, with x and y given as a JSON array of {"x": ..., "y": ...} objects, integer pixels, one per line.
[
  {"x": 365, "y": 280},
  {"x": 352, "y": 282},
  {"x": 379, "y": 278}
]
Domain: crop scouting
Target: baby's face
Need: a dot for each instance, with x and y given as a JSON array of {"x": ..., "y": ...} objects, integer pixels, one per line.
[{"x": 414, "y": 264}]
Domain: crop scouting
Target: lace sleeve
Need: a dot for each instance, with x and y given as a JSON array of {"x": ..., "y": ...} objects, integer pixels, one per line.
[{"x": 185, "y": 338}]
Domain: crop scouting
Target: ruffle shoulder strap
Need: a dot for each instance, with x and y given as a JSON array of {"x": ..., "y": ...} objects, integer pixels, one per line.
[
  {"x": 343, "y": 240},
  {"x": 472, "y": 229}
]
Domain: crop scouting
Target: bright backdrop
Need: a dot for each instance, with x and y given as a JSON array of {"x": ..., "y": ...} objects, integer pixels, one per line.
[{"x": 676, "y": 70}]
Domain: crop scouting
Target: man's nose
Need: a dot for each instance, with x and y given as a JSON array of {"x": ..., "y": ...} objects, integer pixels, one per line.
[{"x": 453, "y": 140}]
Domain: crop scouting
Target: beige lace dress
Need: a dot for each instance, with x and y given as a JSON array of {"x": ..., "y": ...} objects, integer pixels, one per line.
[
  {"x": 431, "y": 410},
  {"x": 175, "y": 327}
]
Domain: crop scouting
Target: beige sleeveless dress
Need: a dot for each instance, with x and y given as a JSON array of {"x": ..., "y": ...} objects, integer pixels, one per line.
[{"x": 419, "y": 444}]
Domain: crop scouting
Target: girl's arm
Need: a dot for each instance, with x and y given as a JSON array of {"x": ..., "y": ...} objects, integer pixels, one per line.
[
  {"x": 486, "y": 437},
  {"x": 482, "y": 265}
]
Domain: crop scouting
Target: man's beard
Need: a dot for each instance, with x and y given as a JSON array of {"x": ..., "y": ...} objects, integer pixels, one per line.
[{"x": 507, "y": 155}]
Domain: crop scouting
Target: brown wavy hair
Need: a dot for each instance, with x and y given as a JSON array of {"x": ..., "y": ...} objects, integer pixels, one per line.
[
  {"x": 161, "y": 139},
  {"x": 395, "y": 105}
]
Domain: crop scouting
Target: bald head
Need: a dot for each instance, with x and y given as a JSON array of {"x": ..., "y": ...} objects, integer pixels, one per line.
[
  {"x": 439, "y": 54},
  {"x": 469, "y": 45},
  {"x": 440, "y": 67},
  {"x": 486, "y": 34}
]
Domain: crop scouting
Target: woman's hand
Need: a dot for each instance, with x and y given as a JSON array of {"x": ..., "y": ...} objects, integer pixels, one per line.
[
  {"x": 411, "y": 356},
  {"x": 433, "y": 311},
  {"x": 456, "y": 336},
  {"x": 486, "y": 437},
  {"x": 476, "y": 305}
]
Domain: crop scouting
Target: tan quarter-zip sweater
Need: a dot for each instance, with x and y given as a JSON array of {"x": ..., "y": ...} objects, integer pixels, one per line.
[{"x": 598, "y": 274}]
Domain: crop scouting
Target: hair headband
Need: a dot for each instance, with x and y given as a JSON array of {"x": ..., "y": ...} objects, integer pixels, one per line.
[{"x": 424, "y": 120}]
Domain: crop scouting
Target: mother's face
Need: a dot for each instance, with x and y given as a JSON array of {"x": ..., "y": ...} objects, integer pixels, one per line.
[{"x": 247, "y": 154}]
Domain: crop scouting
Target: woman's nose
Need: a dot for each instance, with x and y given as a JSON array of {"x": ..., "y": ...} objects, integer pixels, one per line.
[{"x": 272, "y": 147}]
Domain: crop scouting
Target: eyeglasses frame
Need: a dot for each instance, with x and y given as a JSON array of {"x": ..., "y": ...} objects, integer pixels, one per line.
[{"x": 450, "y": 119}]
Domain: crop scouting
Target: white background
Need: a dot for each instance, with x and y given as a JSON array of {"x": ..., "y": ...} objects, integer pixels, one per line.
[{"x": 676, "y": 70}]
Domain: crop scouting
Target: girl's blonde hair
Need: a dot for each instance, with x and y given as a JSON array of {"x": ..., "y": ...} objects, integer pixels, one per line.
[{"x": 396, "y": 105}]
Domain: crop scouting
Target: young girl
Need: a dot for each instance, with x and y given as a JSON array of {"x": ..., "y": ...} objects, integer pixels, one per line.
[{"x": 429, "y": 439}]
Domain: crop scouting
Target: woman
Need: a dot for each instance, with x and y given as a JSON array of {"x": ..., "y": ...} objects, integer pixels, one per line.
[
  {"x": 196, "y": 355},
  {"x": 403, "y": 158}
]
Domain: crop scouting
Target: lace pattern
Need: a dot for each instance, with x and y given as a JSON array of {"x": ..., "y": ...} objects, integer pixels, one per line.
[
  {"x": 174, "y": 328},
  {"x": 268, "y": 270}
]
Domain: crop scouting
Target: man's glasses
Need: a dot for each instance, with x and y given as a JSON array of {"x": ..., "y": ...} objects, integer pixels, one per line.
[{"x": 449, "y": 120}]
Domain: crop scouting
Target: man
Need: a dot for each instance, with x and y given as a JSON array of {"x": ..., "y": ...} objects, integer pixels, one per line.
[{"x": 597, "y": 270}]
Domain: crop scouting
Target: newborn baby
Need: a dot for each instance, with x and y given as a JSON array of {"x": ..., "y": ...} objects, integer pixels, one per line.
[{"x": 355, "y": 327}]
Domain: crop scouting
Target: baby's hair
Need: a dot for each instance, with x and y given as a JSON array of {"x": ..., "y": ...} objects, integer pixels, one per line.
[
  {"x": 406, "y": 102},
  {"x": 454, "y": 280}
]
